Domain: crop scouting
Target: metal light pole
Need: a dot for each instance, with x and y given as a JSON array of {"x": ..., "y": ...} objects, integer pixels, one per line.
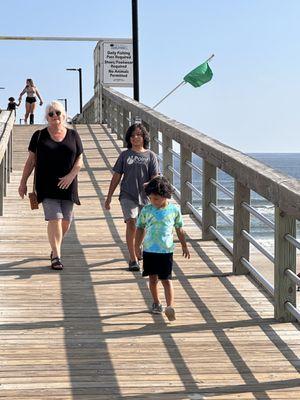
[
  {"x": 135, "y": 44},
  {"x": 66, "y": 103},
  {"x": 80, "y": 85}
]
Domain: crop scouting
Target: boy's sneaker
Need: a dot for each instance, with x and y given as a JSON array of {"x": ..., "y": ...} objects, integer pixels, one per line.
[
  {"x": 170, "y": 313},
  {"x": 133, "y": 266},
  {"x": 157, "y": 308}
]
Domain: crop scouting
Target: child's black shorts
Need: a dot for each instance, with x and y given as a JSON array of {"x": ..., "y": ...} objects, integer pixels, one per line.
[{"x": 158, "y": 264}]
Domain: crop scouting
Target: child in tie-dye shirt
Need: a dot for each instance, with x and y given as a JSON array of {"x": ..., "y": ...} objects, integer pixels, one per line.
[{"x": 155, "y": 225}]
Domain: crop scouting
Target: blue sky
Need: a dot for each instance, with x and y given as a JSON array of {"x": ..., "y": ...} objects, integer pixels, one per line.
[{"x": 252, "y": 101}]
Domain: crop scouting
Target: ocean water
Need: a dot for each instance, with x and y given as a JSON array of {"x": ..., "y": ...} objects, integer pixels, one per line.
[{"x": 287, "y": 163}]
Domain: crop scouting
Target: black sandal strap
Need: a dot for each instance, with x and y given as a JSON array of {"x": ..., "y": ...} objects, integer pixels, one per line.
[{"x": 56, "y": 263}]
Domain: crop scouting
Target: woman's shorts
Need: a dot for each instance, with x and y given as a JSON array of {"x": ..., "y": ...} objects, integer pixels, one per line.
[
  {"x": 160, "y": 264},
  {"x": 130, "y": 209},
  {"x": 30, "y": 100},
  {"x": 58, "y": 209}
]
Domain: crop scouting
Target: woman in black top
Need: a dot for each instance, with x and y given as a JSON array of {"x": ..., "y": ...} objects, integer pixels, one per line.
[{"x": 56, "y": 154}]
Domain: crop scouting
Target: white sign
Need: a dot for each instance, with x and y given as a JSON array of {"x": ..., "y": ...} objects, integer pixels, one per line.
[{"x": 117, "y": 64}]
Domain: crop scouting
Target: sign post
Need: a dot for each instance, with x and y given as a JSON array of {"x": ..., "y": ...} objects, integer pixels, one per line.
[{"x": 113, "y": 61}]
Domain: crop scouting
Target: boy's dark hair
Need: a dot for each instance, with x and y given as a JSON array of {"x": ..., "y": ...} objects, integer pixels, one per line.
[
  {"x": 145, "y": 134},
  {"x": 11, "y": 99},
  {"x": 161, "y": 186}
]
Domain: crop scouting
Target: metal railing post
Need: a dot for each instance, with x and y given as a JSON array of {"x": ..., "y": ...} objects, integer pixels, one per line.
[{"x": 285, "y": 257}]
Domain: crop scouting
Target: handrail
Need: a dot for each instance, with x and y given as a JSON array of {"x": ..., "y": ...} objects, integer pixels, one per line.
[
  {"x": 248, "y": 175},
  {"x": 292, "y": 240},
  {"x": 258, "y": 276},
  {"x": 221, "y": 239},
  {"x": 194, "y": 167},
  {"x": 7, "y": 120},
  {"x": 194, "y": 189},
  {"x": 258, "y": 215},
  {"x": 220, "y": 213},
  {"x": 259, "y": 247},
  {"x": 274, "y": 186},
  {"x": 222, "y": 188}
]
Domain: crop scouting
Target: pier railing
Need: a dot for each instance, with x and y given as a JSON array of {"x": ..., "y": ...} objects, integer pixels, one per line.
[
  {"x": 7, "y": 119},
  {"x": 177, "y": 146}
]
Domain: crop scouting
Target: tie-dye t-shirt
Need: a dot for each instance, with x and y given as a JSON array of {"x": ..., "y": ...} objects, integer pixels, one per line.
[{"x": 159, "y": 224}]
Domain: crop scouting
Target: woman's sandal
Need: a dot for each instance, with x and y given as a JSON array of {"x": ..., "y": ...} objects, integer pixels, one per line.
[{"x": 56, "y": 263}]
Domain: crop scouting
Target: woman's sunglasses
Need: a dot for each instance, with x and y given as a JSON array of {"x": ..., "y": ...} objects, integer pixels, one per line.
[{"x": 51, "y": 113}]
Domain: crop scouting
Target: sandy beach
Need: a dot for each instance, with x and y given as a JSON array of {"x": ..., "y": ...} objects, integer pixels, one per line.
[{"x": 266, "y": 267}]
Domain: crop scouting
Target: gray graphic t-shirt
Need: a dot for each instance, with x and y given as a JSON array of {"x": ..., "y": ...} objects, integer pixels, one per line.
[{"x": 136, "y": 168}]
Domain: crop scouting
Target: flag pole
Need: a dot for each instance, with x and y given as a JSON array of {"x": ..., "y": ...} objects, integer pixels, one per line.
[
  {"x": 208, "y": 60},
  {"x": 180, "y": 84}
]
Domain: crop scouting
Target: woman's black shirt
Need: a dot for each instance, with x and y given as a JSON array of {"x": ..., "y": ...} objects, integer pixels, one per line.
[{"x": 53, "y": 161}]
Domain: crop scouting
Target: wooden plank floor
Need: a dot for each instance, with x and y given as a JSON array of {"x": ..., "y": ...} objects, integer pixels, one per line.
[{"x": 86, "y": 333}]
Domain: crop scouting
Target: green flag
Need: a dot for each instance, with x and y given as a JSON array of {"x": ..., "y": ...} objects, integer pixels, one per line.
[{"x": 200, "y": 75}]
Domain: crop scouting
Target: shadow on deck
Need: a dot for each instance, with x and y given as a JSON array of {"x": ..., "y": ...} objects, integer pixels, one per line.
[{"x": 86, "y": 333}]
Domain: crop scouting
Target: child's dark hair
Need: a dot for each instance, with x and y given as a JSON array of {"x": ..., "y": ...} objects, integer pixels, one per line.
[
  {"x": 145, "y": 134},
  {"x": 11, "y": 99},
  {"x": 161, "y": 186}
]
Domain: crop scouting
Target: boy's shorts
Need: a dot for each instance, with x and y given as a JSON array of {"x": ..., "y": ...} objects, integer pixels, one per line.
[
  {"x": 160, "y": 264},
  {"x": 130, "y": 209},
  {"x": 58, "y": 209}
]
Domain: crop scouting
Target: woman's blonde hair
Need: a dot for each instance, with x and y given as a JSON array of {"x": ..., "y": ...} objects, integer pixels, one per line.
[{"x": 56, "y": 105}]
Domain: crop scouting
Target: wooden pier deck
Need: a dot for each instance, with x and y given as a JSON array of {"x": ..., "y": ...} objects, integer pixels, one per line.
[{"x": 86, "y": 332}]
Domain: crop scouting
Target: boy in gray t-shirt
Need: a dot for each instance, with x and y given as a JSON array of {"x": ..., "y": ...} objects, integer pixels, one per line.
[{"x": 135, "y": 166}]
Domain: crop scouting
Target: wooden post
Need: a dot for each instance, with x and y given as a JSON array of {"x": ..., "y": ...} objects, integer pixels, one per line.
[
  {"x": 241, "y": 221},
  {"x": 153, "y": 135},
  {"x": 2, "y": 184},
  {"x": 209, "y": 193},
  {"x": 5, "y": 173},
  {"x": 108, "y": 112},
  {"x": 104, "y": 102},
  {"x": 11, "y": 150},
  {"x": 118, "y": 122},
  {"x": 285, "y": 257},
  {"x": 185, "y": 175},
  {"x": 125, "y": 125},
  {"x": 113, "y": 117},
  {"x": 167, "y": 157},
  {"x": 8, "y": 160}
]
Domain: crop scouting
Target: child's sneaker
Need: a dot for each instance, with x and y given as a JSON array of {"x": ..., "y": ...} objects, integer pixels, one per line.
[
  {"x": 133, "y": 266},
  {"x": 170, "y": 313},
  {"x": 157, "y": 308}
]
